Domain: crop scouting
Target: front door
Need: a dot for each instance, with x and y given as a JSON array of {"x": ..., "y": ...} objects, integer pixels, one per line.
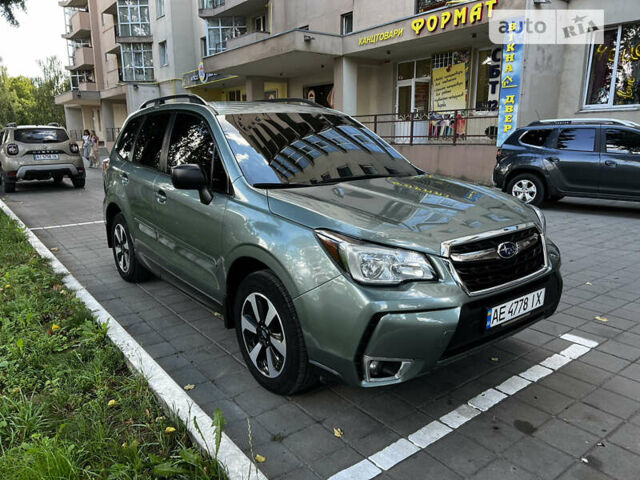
[
  {"x": 620, "y": 162},
  {"x": 189, "y": 232},
  {"x": 575, "y": 160}
]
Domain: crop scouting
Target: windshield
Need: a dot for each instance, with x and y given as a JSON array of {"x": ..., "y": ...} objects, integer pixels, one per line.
[
  {"x": 40, "y": 135},
  {"x": 280, "y": 149}
]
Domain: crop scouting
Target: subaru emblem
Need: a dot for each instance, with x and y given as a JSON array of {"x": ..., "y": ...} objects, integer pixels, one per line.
[{"x": 507, "y": 250}]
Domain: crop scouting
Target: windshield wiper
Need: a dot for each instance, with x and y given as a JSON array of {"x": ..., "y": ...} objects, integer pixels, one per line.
[{"x": 367, "y": 177}]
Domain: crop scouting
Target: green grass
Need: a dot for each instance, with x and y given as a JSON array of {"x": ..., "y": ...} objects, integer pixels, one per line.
[{"x": 69, "y": 406}]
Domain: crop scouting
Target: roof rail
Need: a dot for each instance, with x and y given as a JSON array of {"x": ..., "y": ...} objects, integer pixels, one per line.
[
  {"x": 585, "y": 121},
  {"x": 53, "y": 124},
  {"x": 161, "y": 100},
  {"x": 294, "y": 100},
  {"x": 11, "y": 125}
]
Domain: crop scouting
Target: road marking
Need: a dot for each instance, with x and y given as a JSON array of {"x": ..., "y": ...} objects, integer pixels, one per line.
[
  {"x": 198, "y": 423},
  {"x": 402, "y": 449},
  {"x": 67, "y": 225}
]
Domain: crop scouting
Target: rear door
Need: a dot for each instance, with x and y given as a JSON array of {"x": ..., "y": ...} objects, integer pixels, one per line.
[
  {"x": 189, "y": 232},
  {"x": 140, "y": 178},
  {"x": 620, "y": 162},
  {"x": 574, "y": 161}
]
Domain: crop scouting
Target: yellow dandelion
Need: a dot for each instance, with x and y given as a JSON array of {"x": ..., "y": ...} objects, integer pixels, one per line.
[
  {"x": 124, "y": 445},
  {"x": 169, "y": 430},
  {"x": 7, "y": 285},
  {"x": 112, "y": 403},
  {"x": 260, "y": 458},
  {"x": 55, "y": 327}
]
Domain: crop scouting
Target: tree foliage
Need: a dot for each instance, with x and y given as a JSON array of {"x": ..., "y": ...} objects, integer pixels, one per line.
[
  {"x": 8, "y": 10},
  {"x": 31, "y": 101}
]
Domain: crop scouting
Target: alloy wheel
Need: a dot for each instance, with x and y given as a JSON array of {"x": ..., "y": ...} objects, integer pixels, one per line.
[
  {"x": 121, "y": 247},
  {"x": 263, "y": 335},
  {"x": 524, "y": 190}
]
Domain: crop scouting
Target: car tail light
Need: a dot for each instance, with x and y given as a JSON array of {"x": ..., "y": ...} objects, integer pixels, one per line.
[
  {"x": 12, "y": 149},
  {"x": 12, "y": 174},
  {"x": 105, "y": 165},
  {"x": 74, "y": 147}
]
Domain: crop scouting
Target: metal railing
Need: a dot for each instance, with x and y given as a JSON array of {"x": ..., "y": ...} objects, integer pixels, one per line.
[
  {"x": 112, "y": 134},
  {"x": 445, "y": 127}
]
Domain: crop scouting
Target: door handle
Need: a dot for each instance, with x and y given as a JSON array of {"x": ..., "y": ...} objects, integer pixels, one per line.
[
  {"x": 161, "y": 197},
  {"x": 610, "y": 163}
]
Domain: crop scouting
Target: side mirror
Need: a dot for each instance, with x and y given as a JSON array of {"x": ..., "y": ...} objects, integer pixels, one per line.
[{"x": 190, "y": 177}]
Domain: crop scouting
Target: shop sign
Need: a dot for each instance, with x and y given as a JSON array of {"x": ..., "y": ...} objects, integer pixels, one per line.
[
  {"x": 202, "y": 74},
  {"x": 449, "y": 87},
  {"x": 511, "y": 77},
  {"x": 381, "y": 37},
  {"x": 468, "y": 15}
]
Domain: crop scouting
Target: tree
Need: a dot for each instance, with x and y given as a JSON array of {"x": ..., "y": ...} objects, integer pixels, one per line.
[{"x": 8, "y": 10}]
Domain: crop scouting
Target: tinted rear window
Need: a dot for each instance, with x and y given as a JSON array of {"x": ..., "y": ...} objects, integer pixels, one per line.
[
  {"x": 623, "y": 141},
  {"x": 40, "y": 135},
  {"x": 580, "y": 139},
  {"x": 536, "y": 138}
]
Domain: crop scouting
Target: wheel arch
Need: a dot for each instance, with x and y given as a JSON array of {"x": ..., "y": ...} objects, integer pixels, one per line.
[
  {"x": 111, "y": 211},
  {"x": 530, "y": 170}
]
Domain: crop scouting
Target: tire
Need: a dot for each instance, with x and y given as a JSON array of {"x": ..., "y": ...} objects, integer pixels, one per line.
[
  {"x": 57, "y": 179},
  {"x": 129, "y": 267},
  {"x": 279, "y": 341},
  {"x": 78, "y": 182},
  {"x": 7, "y": 186},
  {"x": 528, "y": 188}
]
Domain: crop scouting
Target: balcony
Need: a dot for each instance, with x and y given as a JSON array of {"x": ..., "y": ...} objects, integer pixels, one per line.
[
  {"x": 109, "y": 43},
  {"x": 82, "y": 59},
  {"x": 246, "y": 39},
  {"x": 74, "y": 3},
  {"x": 88, "y": 87},
  {"x": 80, "y": 27},
  {"x": 230, "y": 7}
]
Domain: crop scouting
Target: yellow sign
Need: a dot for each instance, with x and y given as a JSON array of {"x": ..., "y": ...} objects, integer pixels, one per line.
[
  {"x": 381, "y": 37},
  {"x": 455, "y": 18},
  {"x": 449, "y": 88}
]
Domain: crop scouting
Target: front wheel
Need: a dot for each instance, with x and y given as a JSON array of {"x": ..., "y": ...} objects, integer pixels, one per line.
[
  {"x": 527, "y": 188},
  {"x": 269, "y": 334},
  {"x": 127, "y": 264}
]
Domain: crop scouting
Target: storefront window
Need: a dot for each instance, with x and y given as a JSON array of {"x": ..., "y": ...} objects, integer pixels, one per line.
[
  {"x": 219, "y": 30},
  {"x": 614, "y": 83},
  {"x": 488, "y": 81},
  {"x": 406, "y": 70},
  {"x": 423, "y": 68}
]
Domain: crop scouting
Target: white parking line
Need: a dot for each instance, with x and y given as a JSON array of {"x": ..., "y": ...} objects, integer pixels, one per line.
[
  {"x": 434, "y": 431},
  {"x": 67, "y": 225},
  {"x": 199, "y": 424}
]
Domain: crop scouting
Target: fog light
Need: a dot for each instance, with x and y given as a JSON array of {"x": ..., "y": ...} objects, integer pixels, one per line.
[{"x": 384, "y": 369}]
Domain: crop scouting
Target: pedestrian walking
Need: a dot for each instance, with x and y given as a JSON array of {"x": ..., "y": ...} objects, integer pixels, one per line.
[
  {"x": 86, "y": 146},
  {"x": 93, "y": 156}
]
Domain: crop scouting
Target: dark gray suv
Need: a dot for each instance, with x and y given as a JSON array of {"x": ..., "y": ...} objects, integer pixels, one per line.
[{"x": 548, "y": 160}]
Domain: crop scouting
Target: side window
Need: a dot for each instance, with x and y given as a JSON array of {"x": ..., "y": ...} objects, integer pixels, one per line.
[
  {"x": 536, "y": 138},
  {"x": 149, "y": 144},
  {"x": 125, "y": 142},
  {"x": 192, "y": 142},
  {"x": 623, "y": 141},
  {"x": 578, "y": 139}
]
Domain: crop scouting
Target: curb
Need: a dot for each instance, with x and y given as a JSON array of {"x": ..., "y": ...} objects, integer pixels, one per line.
[{"x": 234, "y": 461}]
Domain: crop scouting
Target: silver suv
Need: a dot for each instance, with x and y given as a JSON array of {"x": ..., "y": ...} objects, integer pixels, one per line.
[{"x": 36, "y": 152}]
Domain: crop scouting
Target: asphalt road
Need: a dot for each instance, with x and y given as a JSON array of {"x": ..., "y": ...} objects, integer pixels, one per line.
[{"x": 579, "y": 421}]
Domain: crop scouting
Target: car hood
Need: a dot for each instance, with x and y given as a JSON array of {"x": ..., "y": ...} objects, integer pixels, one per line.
[{"x": 417, "y": 212}]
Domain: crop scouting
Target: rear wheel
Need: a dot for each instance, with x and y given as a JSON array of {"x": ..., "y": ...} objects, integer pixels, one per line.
[
  {"x": 269, "y": 335},
  {"x": 528, "y": 188},
  {"x": 78, "y": 182},
  {"x": 127, "y": 264},
  {"x": 8, "y": 186}
]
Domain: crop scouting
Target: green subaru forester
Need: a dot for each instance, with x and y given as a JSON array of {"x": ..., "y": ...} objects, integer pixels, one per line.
[{"x": 328, "y": 251}]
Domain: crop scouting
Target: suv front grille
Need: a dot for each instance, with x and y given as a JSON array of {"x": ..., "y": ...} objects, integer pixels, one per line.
[{"x": 479, "y": 267}]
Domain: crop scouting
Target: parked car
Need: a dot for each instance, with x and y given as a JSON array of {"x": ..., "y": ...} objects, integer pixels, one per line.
[
  {"x": 36, "y": 152},
  {"x": 550, "y": 159},
  {"x": 327, "y": 250}
]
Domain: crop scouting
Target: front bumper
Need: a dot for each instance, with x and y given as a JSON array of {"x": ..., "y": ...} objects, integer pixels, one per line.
[
  {"x": 420, "y": 325},
  {"x": 43, "y": 172}
]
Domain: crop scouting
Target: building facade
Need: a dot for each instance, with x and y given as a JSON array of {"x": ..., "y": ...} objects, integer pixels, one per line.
[{"x": 421, "y": 73}]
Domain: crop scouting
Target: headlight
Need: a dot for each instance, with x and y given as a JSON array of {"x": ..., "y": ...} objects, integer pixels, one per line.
[
  {"x": 375, "y": 265},
  {"x": 543, "y": 221}
]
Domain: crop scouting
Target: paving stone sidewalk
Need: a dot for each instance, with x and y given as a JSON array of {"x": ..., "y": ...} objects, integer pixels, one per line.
[{"x": 581, "y": 422}]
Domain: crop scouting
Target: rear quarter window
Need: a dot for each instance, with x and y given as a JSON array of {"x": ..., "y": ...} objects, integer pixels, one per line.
[
  {"x": 536, "y": 137},
  {"x": 40, "y": 135}
]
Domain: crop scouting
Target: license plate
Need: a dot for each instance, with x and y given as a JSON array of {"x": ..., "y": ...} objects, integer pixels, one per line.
[
  {"x": 46, "y": 156},
  {"x": 515, "y": 308}
]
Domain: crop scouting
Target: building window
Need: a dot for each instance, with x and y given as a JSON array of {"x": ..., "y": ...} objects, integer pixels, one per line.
[
  {"x": 80, "y": 76},
  {"x": 133, "y": 18},
  {"x": 260, "y": 24},
  {"x": 159, "y": 8},
  {"x": 425, "y": 5},
  {"x": 346, "y": 23},
  {"x": 488, "y": 79},
  {"x": 219, "y": 30},
  {"x": 164, "y": 58},
  {"x": 211, "y": 3},
  {"x": 614, "y": 69},
  {"x": 137, "y": 62},
  {"x": 203, "y": 46}
]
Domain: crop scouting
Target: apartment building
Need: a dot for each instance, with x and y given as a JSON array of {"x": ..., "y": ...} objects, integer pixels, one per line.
[{"x": 123, "y": 52}]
